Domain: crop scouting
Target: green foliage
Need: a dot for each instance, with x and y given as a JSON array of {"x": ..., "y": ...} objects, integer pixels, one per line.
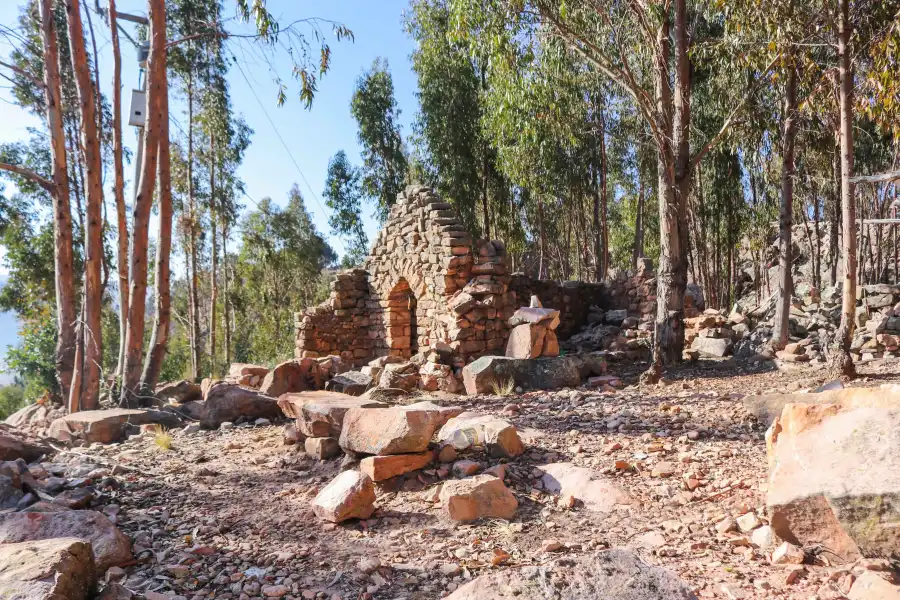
[
  {"x": 12, "y": 398},
  {"x": 377, "y": 116},
  {"x": 343, "y": 195}
]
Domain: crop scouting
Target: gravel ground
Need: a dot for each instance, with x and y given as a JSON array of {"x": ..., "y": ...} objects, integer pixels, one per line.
[{"x": 225, "y": 514}]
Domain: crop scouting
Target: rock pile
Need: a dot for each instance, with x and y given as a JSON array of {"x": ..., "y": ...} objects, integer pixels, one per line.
[{"x": 533, "y": 332}]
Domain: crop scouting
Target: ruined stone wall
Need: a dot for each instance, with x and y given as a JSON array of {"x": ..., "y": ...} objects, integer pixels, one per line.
[{"x": 427, "y": 284}]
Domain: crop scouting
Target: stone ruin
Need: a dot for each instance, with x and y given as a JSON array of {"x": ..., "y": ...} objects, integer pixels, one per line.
[{"x": 427, "y": 284}]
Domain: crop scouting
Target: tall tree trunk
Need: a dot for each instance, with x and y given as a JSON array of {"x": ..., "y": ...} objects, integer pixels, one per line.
[
  {"x": 674, "y": 119},
  {"x": 604, "y": 225},
  {"x": 160, "y": 337},
  {"x": 193, "y": 318},
  {"x": 785, "y": 221},
  {"x": 638, "y": 251},
  {"x": 835, "y": 211},
  {"x": 543, "y": 249},
  {"x": 62, "y": 213},
  {"x": 119, "y": 189},
  {"x": 227, "y": 307},
  {"x": 842, "y": 363},
  {"x": 93, "y": 235},
  {"x": 137, "y": 266},
  {"x": 213, "y": 266}
]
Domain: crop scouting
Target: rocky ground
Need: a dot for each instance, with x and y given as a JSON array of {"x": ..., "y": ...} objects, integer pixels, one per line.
[{"x": 226, "y": 513}]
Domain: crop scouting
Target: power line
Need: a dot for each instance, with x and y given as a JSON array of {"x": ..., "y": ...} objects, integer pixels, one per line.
[{"x": 288, "y": 150}]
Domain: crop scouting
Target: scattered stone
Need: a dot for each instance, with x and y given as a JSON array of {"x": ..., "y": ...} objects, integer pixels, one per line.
[
  {"x": 763, "y": 538},
  {"x": 663, "y": 469},
  {"x": 350, "y": 495},
  {"x": 870, "y": 586},
  {"x": 545, "y": 373},
  {"x": 353, "y": 383},
  {"x": 597, "y": 493},
  {"x": 465, "y": 468},
  {"x": 551, "y": 546},
  {"x": 787, "y": 554},
  {"x": 748, "y": 522},
  {"x": 106, "y": 426},
  {"x": 15, "y": 444},
  {"x": 179, "y": 391},
  {"x": 321, "y": 414},
  {"x": 473, "y": 429},
  {"x": 481, "y": 496},
  {"x": 380, "y": 468},
  {"x": 292, "y": 376}
]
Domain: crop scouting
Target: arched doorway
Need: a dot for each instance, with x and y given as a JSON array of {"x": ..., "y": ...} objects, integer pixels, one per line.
[{"x": 402, "y": 332}]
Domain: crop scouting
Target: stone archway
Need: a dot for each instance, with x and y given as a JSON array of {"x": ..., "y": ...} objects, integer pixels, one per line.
[{"x": 401, "y": 323}]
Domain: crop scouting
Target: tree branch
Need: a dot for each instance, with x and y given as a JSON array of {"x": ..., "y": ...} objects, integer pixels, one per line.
[
  {"x": 28, "y": 174},
  {"x": 23, "y": 73}
]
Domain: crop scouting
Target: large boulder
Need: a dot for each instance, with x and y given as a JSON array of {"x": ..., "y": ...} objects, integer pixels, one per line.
[
  {"x": 179, "y": 391},
  {"x": 498, "y": 436},
  {"x": 321, "y": 414},
  {"x": 350, "y": 495},
  {"x": 106, "y": 426},
  {"x": 354, "y": 383},
  {"x": 616, "y": 574},
  {"x": 244, "y": 369},
  {"x": 292, "y": 376},
  {"x": 590, "y": 487},
  {"x": 477, "y": 497},
  {"x": 386, "y": 431},
  {"x": 835, "y": 479},
  {"x": 767, "y": 407},
  {"x": 54, "y": 569},
  {"x": 15, "y": 444},
  {"x": 526, "y": 340},
  {"x": 716, "y": 347},
  {"x": 228, "y": 402},
  {"x": 27, "y": 415},
  {"x": 111, "y": 547},
  {"x": 399, "y": 376},
  {"x": 482, "y": 375}
]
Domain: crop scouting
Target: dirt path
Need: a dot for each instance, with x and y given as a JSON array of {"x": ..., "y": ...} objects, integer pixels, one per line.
[{"x": 226, "y": 514}]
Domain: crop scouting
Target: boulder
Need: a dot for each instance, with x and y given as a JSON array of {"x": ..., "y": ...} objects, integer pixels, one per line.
[
  {"x": 477, "y": 497},
  {"x": 769, "y": 406},
  {"x": 498, "y": 436},
  {"x": 380, "y": 468},
  {"x": 229, "y": 402},
  {"x": 179, "y": 391},
  {"x": 387, "y": 430},
  {"x": 551, "y": 344},
  {"x": 54, "y": 569},
  {"x": 590, "y": 487},
  {"x": 399, "y": 376},
  {"x": 321, "y": 414},
  {"x": 28, "y": 415},
  {"x": 111, "y": 547},
  {"x": 15, "y": 444},
  {"x": 546, "y": 373},
  {"x": 292, "y": 376},
  {"x": 354, "y": 383},
  {"x": 434, "y": 377},
  {"x": 10, "y": 492},
  {"x": 526, "y": 340},
  {"x": 616, "y": 574},
  {"x": 835, "y": 479},
  {"x": 350, "y": 495},
  {"x": 615, "y": 317},
  {"x": 871, "y": 586},
  {"x": 107, "y": 426},
  {"x": 717, "y": 347}
]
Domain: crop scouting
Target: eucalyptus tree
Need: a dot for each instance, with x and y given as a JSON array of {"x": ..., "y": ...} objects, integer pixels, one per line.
[
  {"x": 343, "y": 196},
  {"x": 384, "y": 162}
]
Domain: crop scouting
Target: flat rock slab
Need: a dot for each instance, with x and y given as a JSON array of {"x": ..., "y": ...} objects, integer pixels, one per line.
[
  {"x": 111, "y": 547},
  {"x": 385, "y": 431},
  {"x": 835, "y": 479},
  {"x": 498, "y": 436},
  {"x": 350, "y": 495},
  {"x": 597, "y": 493},
  {"x": 15, "y": 444},
  {"x": 466, "y": 500},
  {"x": 321, "y": 414},
  {"x": 229, "y": 402},
  {"x": 615, "y": 574},
  {"x": 106, "y": 426},
  {"x": 380, "y": 468},
  {"x": 548, "y": 373},
  {"x": 54, "y": 569}
]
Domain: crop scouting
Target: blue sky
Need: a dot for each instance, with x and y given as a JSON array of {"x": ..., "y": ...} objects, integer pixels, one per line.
[{"x": 311, "y": 137}]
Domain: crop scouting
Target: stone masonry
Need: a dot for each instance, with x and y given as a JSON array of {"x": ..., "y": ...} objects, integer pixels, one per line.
[{"x": 428, "y": 284}]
